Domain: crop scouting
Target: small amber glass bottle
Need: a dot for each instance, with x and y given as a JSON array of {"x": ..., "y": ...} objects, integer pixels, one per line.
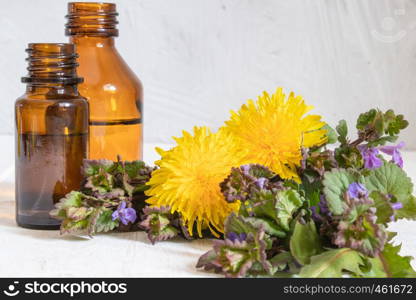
[
  {"x": 51, "y": 134},
  {"x": 114, "y": 92}
]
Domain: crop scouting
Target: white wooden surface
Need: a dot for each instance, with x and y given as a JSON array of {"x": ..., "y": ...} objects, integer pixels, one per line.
[
  {"x": 34, "y": 253},
  {"x": 200, "y": 58},
  {"x": 30, "y": 253}
]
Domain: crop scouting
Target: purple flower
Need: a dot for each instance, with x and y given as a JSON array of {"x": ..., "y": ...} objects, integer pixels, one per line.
[
  {"x": 323, "y": 210},
  {"x": 232, "y": 236},
  {"x": 315, "y": 215},
  {"x": 124, "y": 214},
  {"x": 397, "y": 205},
  {"x": 394, "y": 152},
  {"x": 261, "y": 182},
  {"x": 370, "y": 156},
  {"x": 323, "y": 206},
  {"x": 357, "y": 190},
  {"x": 245, "y": 168}
]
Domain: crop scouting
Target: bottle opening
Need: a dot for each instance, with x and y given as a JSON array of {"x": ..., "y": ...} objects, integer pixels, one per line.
[
  {"x": 52, "y": 63},
  {"x": 91, "y": 19}
]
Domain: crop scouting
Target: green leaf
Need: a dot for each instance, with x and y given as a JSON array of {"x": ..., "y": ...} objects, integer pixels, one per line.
[
  {"x": 71, "y": 200},
  {"x": 158, "y": 222},
  {"x": 409, "y": 209},
  {"x": 373, "y": 268},
  {"x": 105, "y": 221},
  {"x": 282, "y": 260},
  {"x": 333, "y": 263},
  {"x": 395, "y": 265},
  {"x": 366, "y": 119},
  {"x": 348, "y": 157},
  {"x": 342, "y": 129},
  {"x": 262, "y": 204},
  {"x": 93, "y": 167},
  {"x": 288, "y": 202},
  {"x": 383, "y": 140},
  {"x": 384, "y": 211},
  {"x": 133, "y": 168},
  {"x": 391, "y": 180},
  {"x": 336, "y": 183},
  {"x": 270, "y": 227},
  {"x": 69, "y": 226},
  {"x": 395, "y": 123},
  {"x": 238, "y": 225},
  {"x": 102, "y": 182},
  {"x": 331, "y": 134},
  {"x": 305, "y": 242}
]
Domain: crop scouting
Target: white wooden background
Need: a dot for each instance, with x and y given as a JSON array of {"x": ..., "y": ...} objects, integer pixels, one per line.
[{"x": 200, "y": 58}]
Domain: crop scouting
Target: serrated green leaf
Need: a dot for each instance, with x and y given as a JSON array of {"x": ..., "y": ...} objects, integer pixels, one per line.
[
  {"x": 270, "y": 227},
  {"x": 305, "y": 242},
  {"x": 333, "y": 263},
  {"x": 391, "y": 180},
  {"x": 78, "y": 213},
  {"x": 395, "y": 123},
  {"x": 342, "y": 129},
  {"x": 133, "y": 168},
  {"x": 263, "y": 203},
  {"x": 238, "y": 225},
  {"x": 93, "y": 167},
  {"x": 365, "y": 119},
  {"x": 336, "y": 183},
  {"x": 288, "y": 202},
  {"x": 71, "y": 200},
  {"x": 395, "y": 265},
  {"x": 105, "y": 221},
  {"x": 70, "y": 226},
  {"x": 409, "y": 209},
  {"x": 383, "y": 140}
]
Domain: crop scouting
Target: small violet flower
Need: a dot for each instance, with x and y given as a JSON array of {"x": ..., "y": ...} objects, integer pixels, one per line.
[
  {"x": 323, "y": 209},
  {"x": 232, "y": 236},
  {"x": 370, "y": 156},
  {"x": 394, "y": 152},
  {"x": 261, "y": 182},
  {"x": 124, "y": 214},
  {"x": 357, "y": 190},
  {"x": 395, "y": 206},
  {"x": 245, "y": 168}
]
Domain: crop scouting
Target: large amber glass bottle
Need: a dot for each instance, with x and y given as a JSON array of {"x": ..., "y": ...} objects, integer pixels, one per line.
[
  {"x": 51, "y": 134},
  {"x": 114, "y": 93}
]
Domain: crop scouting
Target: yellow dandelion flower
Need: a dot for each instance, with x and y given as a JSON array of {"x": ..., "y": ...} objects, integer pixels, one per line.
[
  {"x": 274, "y": 130},
  {"x": 189, "y": 176}
]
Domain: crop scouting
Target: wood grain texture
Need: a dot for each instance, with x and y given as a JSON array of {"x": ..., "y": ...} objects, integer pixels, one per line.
[{"x": 200, "y": 58}]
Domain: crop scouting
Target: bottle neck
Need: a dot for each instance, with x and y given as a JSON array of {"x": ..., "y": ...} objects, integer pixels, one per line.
[
  {"x": 83, "y": 41},
  {"x": 52, "y": 69},
  {"x": 52, "y": 90}
]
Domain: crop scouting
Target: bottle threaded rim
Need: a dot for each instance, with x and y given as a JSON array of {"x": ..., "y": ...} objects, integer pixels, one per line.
[
  {"x": 91, "y": 19},
  {"x": 52, "y": 63}
]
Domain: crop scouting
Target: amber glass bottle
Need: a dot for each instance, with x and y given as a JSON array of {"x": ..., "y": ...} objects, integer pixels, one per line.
[
  {"x": 51, "y": 134},
  {"x": 114, "y": 93}
]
